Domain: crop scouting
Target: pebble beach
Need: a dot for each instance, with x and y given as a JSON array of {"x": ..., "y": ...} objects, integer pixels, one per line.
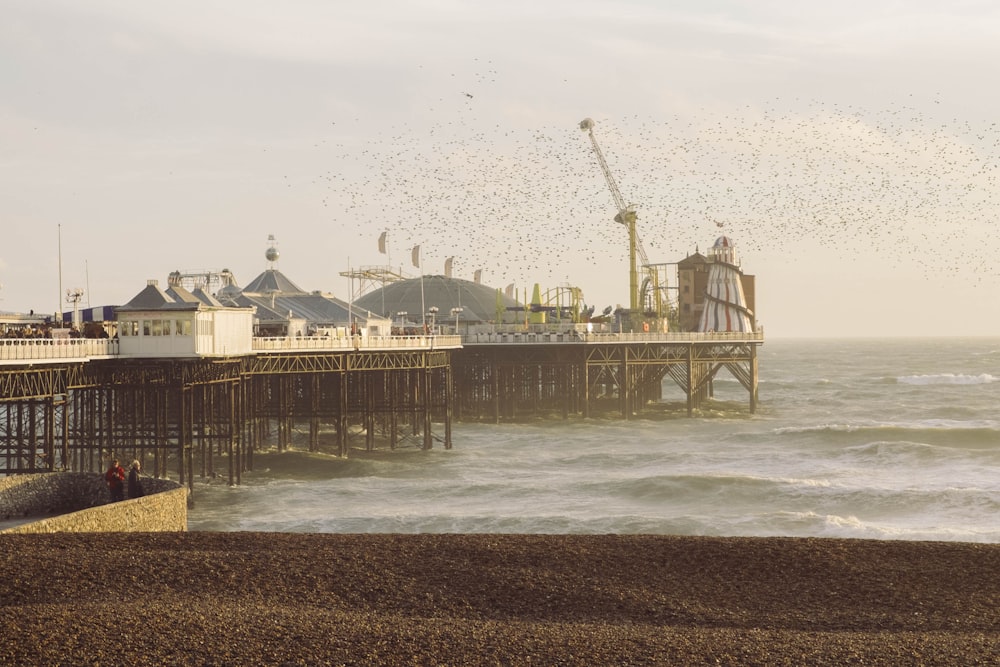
[{"x": 432, "y": 599}]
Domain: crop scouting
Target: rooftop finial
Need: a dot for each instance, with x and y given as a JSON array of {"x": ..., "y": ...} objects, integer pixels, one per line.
[{"x": 272, "y": 252}]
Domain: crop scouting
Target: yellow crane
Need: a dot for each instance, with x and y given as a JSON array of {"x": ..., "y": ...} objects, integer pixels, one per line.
[{"x": 636, "y": 253}]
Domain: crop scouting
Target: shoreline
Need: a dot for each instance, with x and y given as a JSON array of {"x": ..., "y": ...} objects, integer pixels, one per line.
[{"x": 300, "y": 598}]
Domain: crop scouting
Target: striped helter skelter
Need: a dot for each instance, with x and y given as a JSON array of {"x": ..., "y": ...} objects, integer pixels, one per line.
[{"x": 725, "y": 304}]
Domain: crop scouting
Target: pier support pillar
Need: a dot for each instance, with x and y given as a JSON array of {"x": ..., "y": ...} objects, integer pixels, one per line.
[
  {"x": 449, "y": 396},
  {"x": 426, "y": 413},
  {"x": 342, "y": 415},
  {"x": 690, "y": 380}
]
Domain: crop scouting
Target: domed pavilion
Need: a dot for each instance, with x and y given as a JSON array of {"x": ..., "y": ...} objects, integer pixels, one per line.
[{"x": 442, "y": 302}]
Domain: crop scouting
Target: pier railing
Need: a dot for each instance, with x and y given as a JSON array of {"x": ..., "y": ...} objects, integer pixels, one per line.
[
  {"x": 322, "y": 343},
  {"x": 533, "y": 338},
  {"x": 31, "y": 349},
  {"x": 15, "y": 350}
]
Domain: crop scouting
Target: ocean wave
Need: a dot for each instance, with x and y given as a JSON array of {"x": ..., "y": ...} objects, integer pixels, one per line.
[
  {"x": 700, "y": 489},
  {"x": 768, "y": 524},
  {"x": 976, "y": 434},
  {"x": 929, "y": 424},
  {"x": 853, "y": 526},
  {"x": 948, "y": 378},
  {"x": 301, "y": 465},
  {"x": 819, "y": 524},
  {"x": 894, "y": 449}
]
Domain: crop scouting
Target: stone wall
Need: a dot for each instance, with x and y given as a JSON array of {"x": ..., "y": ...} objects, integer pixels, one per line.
[{"x": 79, "y": 502}]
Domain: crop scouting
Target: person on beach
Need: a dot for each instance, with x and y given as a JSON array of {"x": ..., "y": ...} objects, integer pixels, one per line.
[
  {"x": 135, "y": 489},
  {"x": 115, "y": 477}
]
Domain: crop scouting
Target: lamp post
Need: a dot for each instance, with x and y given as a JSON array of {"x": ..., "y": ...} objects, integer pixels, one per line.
[
  {"x": 433, "y": 311},
  {"x": 73, "y": 296},
  {"x": 401, "y": 316},
  {"x": 456, "y": 311}
]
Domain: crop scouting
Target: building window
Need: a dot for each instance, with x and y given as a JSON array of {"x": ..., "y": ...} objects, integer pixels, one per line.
[
  {"x": 153, "y": 328},
  {"x": 183, "y": 327},
  {"x": 128, "y": 328}
]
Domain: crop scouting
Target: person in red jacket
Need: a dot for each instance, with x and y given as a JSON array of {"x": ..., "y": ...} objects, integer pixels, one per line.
[{"x": 115, "y": 477}]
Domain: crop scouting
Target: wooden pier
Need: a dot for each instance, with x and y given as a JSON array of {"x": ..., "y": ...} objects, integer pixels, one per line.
[{"x": 70, "y": 405}]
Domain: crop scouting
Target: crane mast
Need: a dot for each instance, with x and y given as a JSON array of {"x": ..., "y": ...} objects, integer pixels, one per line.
[{"x": 626, "y": 216}]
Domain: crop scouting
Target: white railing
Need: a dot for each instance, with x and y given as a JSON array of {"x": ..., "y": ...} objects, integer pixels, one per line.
[
  {"x": 40, "y": 349},
  {"x": 533, "y": 338},
  {"x": 368, "y": 343},
  {"x": 14, "y": 350}
]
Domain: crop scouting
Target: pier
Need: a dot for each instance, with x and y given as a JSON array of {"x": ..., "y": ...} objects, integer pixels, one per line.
[
  {"x": 192, "y": 383},
  {"x": 512, "y": 375},
  {"x": 70, "y": 404}
]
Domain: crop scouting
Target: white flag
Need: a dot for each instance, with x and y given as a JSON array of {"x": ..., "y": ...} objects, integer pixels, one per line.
[
  {"x": 415, "y": 256},
  {"x": 447, "y": 267},
  {"x": 478, "y": 276},
  {"x": 381, "y": 243}
]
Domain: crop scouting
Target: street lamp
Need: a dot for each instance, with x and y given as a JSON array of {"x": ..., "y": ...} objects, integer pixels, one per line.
[
  {"x": 456, "y": 311},
  {"x": 401, "y": 316},
  {"x": 73, "y": 296},
  {"x": 432, "y": 311}
]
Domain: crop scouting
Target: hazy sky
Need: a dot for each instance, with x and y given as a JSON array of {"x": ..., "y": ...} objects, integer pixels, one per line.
[{"x": 849, "y": 149}]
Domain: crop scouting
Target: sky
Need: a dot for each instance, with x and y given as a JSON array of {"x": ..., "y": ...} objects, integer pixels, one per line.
[{"x": 849, "y": 150}]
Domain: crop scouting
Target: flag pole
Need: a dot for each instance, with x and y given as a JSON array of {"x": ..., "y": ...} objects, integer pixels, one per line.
[
  {"x": 415, "y": 256},
  {"x": 59, "y": 321},
  {"x": 350, "y": 300},
  {"x": 383, "y": 247}
]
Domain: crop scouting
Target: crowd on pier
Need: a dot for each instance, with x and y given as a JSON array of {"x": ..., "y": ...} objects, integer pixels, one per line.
[{"x": 34, "y": 331}]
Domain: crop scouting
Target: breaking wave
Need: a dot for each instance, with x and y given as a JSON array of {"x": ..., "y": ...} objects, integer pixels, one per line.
[{"x": 948, "y": 378}]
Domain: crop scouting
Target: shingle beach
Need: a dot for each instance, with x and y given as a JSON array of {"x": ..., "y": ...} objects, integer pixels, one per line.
[{"x": 304, "y": 599}]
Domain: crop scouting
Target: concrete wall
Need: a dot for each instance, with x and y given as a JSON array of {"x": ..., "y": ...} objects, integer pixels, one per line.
[{"x": 79, "y": 502}]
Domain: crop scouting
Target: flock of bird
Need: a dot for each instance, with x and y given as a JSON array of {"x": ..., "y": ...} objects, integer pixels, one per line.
[{"x": 531, "y": 205}]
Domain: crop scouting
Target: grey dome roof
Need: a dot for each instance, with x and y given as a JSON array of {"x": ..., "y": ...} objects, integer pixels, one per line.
[
  {"x": 272, "y": 280},
  {"x": 478, "y": 302}
]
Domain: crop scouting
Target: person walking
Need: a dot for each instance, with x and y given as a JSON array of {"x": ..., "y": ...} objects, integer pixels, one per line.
[
  {"x": 135, "y": 489},
  {"x": 115, "y": 478}
]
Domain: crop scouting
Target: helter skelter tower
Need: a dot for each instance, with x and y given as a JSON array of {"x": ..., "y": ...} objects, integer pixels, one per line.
[{"x": 725, "y": 303}]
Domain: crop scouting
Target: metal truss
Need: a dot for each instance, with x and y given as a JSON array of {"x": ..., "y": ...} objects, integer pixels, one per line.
[
  {"x": 348, "y": 360},
  {"x": 32, "y": 383},
  {"x": 271, "y": 364},
  {"x": 501, "y": 375}
]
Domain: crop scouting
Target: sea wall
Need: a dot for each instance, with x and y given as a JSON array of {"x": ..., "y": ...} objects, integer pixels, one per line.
[{"x": 78, "y": 502}]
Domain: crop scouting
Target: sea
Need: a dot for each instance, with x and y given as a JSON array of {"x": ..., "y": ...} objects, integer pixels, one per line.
[{"x": 886, "y": 439}]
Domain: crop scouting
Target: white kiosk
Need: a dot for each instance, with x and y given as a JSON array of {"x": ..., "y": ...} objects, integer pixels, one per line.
[{"x": 177, "y": 323}]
